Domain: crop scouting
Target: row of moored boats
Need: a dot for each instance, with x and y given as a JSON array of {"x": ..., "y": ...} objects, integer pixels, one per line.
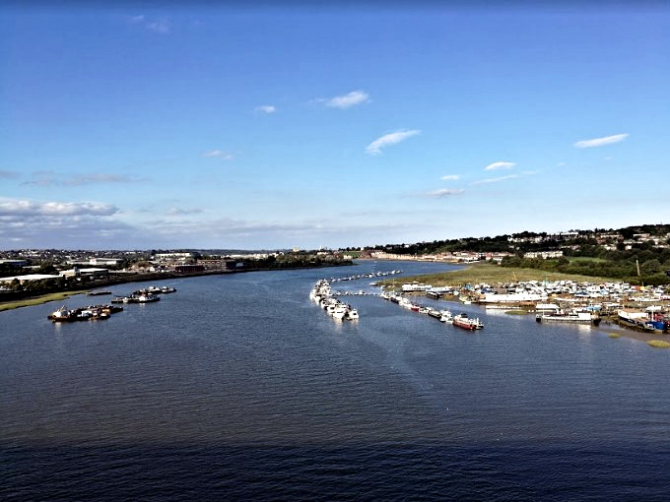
[
  {"x": 146, "y": 295},
  {"x": 371, "y": 275},
  {"x": 90, "y": 313},
  {"x": 323, "y": 296},
  {"x": 460, "y": 320}
]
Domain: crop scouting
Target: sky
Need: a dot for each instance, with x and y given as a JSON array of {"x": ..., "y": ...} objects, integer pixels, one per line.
[{"x": 286, "y": 125}]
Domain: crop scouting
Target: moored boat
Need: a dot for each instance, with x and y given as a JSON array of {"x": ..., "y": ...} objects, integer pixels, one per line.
[
  {"x": 465, "y": 322},
  {"x": 574, "y": 316}
]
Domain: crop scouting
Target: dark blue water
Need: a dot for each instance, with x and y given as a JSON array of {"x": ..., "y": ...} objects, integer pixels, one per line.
[{"x": 239, "y": 388}]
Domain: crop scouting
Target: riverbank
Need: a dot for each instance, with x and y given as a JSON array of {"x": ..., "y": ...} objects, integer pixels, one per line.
[
  {"x": 38, "y": 300},
  {"x": 494, "y": 274}
]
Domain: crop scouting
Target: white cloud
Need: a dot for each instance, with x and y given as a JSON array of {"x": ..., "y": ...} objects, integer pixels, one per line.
[
  {"x": 218, "y": 154},
  {"x": 499, "y": 165},
  {"x": 266, "y": 109},
  {"x": 137, "y": 19},
  {"x": 162, "y": 25},
  {"x": 376, "y": 146},
  {"x": 445, "y": 192},
  {"x": 348, "y": 100},
  {"x": 451, "y": 177},
  {"x": 22, "y": 208},
  {"x": 494, "y": 180},
  {"x": 607, "y": 140}
]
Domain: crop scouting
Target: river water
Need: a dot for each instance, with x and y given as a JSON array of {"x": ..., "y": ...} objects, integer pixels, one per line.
[{"x": 238, "y": 387}]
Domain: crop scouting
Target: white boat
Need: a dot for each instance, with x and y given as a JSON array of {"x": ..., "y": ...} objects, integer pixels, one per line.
[
  {"x": 339, "y": 312},
  {"x": 352, "y": 314},
  {"x": 148, "y": 298},
  {"x": 446, "y": 317},
  {"x": 574, "y": 316}
]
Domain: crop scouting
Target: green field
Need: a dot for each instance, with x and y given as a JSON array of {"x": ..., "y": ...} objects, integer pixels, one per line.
[
  {"x": 494, "y": 274},
  {"x": 585, "y": 259},
  {"x": 27, "y": 302}
]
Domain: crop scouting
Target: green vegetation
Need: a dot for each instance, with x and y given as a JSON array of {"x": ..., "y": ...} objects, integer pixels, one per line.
[
  {"x": 28, "y": 302},
  {"x": 619, "y": 265},
  {"x": 299, "y": 259},
  {"x": 585, "y": 259},
  {"x": 583, "y": 251},
  {"x": 493, "y": 274},
  {"x": 659, "y": 344}
]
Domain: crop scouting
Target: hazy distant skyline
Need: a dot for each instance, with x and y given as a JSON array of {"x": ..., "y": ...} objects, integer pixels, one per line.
[{"x": 206, "y": 127}]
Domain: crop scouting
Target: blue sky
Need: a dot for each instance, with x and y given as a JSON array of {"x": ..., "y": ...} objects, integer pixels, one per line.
[{"x": 211, "y": 127}]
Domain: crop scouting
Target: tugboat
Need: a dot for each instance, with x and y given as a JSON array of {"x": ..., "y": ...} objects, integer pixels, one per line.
[{"x": 463, "y": 321}]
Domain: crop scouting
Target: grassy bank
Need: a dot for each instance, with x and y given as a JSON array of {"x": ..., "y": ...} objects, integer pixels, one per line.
[
  {"x": 38, "y": 300},
  {"x": 494, "y": 274}
]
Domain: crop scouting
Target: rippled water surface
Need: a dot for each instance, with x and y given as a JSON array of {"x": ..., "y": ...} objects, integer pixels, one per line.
[{"x": 239, "y": 388}]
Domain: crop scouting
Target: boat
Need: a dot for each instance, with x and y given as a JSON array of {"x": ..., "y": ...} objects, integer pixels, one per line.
[
  {"x": 63, "y": 314},
  {"x": 147, "y": 298},
  {"x": 635, "y": 319},
  {"x": 339, "y": 312},
  {"x": 446, "y": 317},
  {"x": 465, "y": 322},
  {"x": 352, "y": 314},
  {"x": 434, "y": 313},
  {"x": 574, "y": 316}
]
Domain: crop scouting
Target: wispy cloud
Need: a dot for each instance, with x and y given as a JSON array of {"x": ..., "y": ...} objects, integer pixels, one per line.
[
  {"x": 220, "y": 154},
  {"x": 444, "y": 192},
  {"x": 100, "y": 178},
  {"x": 375, "y": 148},
  {"x": 607, "y": 140},
  {"x": 161, "y": 25},
  {"x": 494, "y": 180},
  {"x": 451, "y": 177},
  {"x": 9, "y": 175},
  {"x": 179, "y": 211},
  {"x": 348, "y": 100},
  {"x": 51, "y": 178},
  {"x": 499, "y": 165},
  {"x": 266, "y": 109}
]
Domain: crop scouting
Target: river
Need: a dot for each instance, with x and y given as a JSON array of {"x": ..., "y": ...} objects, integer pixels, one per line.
[{"x": 238, "y": 387}]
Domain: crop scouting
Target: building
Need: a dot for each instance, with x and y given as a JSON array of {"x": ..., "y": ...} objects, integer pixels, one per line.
[
  {"x": 27, "y": 278},
  {"x": 86, "y": 273},
  {"x": 14, "y": 263},
  {"x": 543, "y": 254}
]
